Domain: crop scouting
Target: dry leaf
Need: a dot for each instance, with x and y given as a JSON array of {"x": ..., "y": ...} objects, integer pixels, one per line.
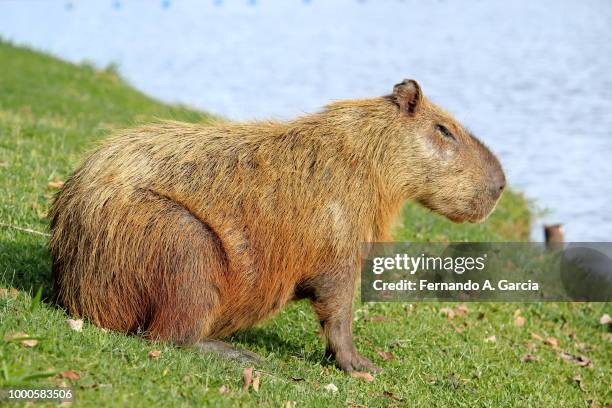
[
  {"x": 76, "y": 325},
  {"x": 582, "y": 361},
  {"x": 529, "y": 357},
  {"x": 363, "y": 375},
  {"x": 448, "y": 312},
  {"x": 331, "y": 387},
  {"x": 537, "y": 337},
  {"x": 70, "y": 374},
  {"x": 223, "y": 390},
  {"x": 154, "y": 354},
  {"x": 22, "y": 338},
  {"x": 385, "y": 355},
  {"x": 519, "y": 321},
  {"x": 391, "y": 395},
  {"x": 17, "y": 335},
  {"x": 458, "y": 329},
  {"x": 4, "y": 292},
  {"x": 480, "y": 316},
  {"x": 551, "y": 341},
  {"x": 578, "y": 380},
  {"x": 491, "y": 339},
  {"x": 247, "y": 378},
  {"x": 290, "y": 404},
  {"x": 530, "y": 346},
  {"x": 13, "y": 293},
  {"x": 256, "y": 383},
  {"x": 606, "y": 319},
  {"x": 56, "y": 184},
  {"x": 517, "y": 313},
  {"x": 594, "y": 403},
  {"x": 29, "y": 343},
  {"x": 461, "y": 310},
  {"x": 297, "y": 379}
]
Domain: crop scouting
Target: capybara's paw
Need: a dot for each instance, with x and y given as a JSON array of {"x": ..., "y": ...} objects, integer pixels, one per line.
[
  {"x": 227, "y": 351},
  {"x": 353, "y": 361}
]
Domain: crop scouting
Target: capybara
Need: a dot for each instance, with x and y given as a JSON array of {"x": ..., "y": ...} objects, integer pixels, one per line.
[{"x": 189, "y": 232}]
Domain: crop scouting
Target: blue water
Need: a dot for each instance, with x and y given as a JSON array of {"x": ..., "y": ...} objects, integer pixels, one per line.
[{"x": 532, "y": 79}]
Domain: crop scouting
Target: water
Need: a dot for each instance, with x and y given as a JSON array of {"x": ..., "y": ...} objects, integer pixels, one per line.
[{"x": 532, "y": 79}]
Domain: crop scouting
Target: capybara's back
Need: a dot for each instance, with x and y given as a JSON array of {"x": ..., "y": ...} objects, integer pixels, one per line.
[{"x": 188, "y": 231}]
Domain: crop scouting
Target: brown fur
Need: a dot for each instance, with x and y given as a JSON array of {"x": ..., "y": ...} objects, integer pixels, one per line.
[{"x": 186, "y": 231}]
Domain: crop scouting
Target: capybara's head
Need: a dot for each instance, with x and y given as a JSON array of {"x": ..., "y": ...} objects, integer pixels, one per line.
[{"x": 457, "y": 176}]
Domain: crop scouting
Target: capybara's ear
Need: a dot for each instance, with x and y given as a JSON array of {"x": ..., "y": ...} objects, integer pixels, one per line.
[{"x": 407, "y": 94}]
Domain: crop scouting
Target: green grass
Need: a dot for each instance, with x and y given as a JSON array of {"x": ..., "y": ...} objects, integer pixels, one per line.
[{"x": 51, "y": 112}]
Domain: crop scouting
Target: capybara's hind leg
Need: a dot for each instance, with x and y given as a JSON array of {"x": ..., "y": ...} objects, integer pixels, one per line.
[
  {"x": 226, "y": 350},
  {"x": 190, "y": 267}
]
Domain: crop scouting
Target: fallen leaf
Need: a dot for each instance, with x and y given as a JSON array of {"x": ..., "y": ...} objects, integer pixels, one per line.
[
  {"x": 297, "y": 379},
  {"x": 290, "y": 404},
  {"x": 582, "y": 361},
  {"x": 70, "y": 374},
  {"x": 593, "y": 403},
  {"x": 57, "y": 185},
  {"x": 448, "y": 312},
  {"x": 13, "y": 293},
  {"x": 458, "y": 329},
  {"x": 480, "y": 316},
  {"x": 517, "y": 313},
  {"x": 29, "y": 343},
  {"x": 256, "y": 383},
  {"x": 519, "y": 321},
  {"x": 529, "y": 357},
  {"x": 22, "y": 338},
  {"x": 247, "y": 378},
  {"x": 4, "y": 292},
  {"x": 606, "y": 319},
  {"x": 223, "y": 390},
  {"x": 537, "y": 337},
  {"x": 331, "y": 387},
  {"x": 578, "y": 381},
  {"x": 461, "y": 310},
  {"x": 76, "y": 325},
  {"x": 385, "y": 355},
  {"x": 363, "y": 375},
  {"x": 491, "y": 339},
  {"x": 551, "y": 341},
  {"x": 391, "y": 395},
  {"x": 154, "y": 354},
  {"x": 530, "y": 346}
]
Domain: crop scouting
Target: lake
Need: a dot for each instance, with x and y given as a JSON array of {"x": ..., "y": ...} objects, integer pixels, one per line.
[{"x": 532, "y": 79}]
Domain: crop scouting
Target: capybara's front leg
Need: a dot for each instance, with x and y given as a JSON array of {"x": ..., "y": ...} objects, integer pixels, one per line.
[{"x": 332, "y": 298}]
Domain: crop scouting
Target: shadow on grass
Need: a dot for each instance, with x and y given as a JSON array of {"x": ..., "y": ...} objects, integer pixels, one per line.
[
  {"x": 268, "y": 339},
  {"x": 26, "y": 266},
  {"x": 283, "y": 346}
]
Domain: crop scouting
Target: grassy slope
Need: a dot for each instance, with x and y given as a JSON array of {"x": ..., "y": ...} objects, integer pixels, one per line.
[{"x": 52, "y": 111}]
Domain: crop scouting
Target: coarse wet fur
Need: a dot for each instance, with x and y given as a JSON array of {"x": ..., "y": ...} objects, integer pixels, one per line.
[{"x": 189, "y": 232}]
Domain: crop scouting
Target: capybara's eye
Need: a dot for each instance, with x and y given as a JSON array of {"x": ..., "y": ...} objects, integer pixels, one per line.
[{"x": 445, "y": 132}]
